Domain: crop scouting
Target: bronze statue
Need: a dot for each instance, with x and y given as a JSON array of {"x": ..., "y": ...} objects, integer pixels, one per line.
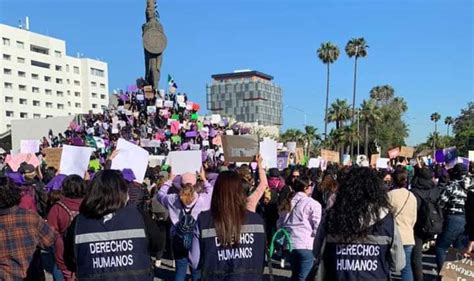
[{"x": 154, "y": 44}]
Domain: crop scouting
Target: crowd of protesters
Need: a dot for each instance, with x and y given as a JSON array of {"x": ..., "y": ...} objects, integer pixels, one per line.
[{"x": 227, "y": 221}]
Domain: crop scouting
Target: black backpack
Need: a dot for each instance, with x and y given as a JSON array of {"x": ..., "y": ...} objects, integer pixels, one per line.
[
  {"x": 185, "y": 230},
  {"x": 430, "y": 216}
]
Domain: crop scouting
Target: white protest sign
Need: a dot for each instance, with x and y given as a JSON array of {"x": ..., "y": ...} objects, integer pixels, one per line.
[
  {"x": 131, "y": 156},
  {"x": 159, "y": 103},
  {"x": 151, "y": 109},
  {"x": 75, "y": 160},
  {"x": 185, "y": 161},
  {"x": 215, "y": 118},
  {"x": 382, "y": 163},
  {"x": 168, "y": 103},
  {"x": 156, "y": 160},
  {"x": 314, "y": 163},
  {"x": 291, "y": 146},
  {"x": 140, "y": 97},
  {"x": 180, "y": 99},
  {"x": 471, "y": 155},
  {"x": 268, "y": 151},
  {"x": 29, "y": 146},
  {"x": 99, "y": 142}
]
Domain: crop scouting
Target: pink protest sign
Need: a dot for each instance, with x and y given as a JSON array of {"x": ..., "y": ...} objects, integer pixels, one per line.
[{"x": 14, "y": 161}]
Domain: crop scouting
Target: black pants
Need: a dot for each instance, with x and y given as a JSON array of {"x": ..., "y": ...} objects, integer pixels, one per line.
[
  {"x": 417, "y": 259},
  {"x": 162, "y": 231}
]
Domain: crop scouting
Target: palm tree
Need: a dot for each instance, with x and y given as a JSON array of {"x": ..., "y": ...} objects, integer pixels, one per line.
[
  {"x": 357, "y": 48},
  {"x": 339, "y": 112},
  {"x": 310, "y": 137},
  {"x": 292, "y": 135},
  {"x": 435, "y": 118},
  {"x": 370, "y": 115},
  {"x": 382, "y": 94},
  {"x": 448, "y": 121},
  {"x": 327, "y": 53}
]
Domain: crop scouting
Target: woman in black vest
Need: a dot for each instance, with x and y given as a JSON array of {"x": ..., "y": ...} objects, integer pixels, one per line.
[
  {"x": 229, "y": 242},
  {"x": 359, "y": 239},
  {"x": 110, "y": 240}
]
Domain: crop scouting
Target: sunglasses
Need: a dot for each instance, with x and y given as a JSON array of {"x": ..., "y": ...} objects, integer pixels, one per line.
[{"x": 295, "y": 177}]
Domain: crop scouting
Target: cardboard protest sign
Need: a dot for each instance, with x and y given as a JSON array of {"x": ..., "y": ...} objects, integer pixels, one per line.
[
  {"x": 374, "y": 158},
  {"x": 268, "y": 151},
  {"x": 394, "y": 152},
  {"x": 185, "y": 161},
  {"x": 133, "y": 157},
  {"x": 53, "y": 157},
  {"x": 407, "y": 152},
  {"x": 291, "y": 146},
  {"x": 329, "y": 155},
  {"x": 75, "y": 160},
  {"x": 382, "y": 163},
  {"x": 457, "y": 267},
  {"x": 299, "y": 156},
  {"x": 241, "y": 148},
  {"x": 29, "y": 146}
]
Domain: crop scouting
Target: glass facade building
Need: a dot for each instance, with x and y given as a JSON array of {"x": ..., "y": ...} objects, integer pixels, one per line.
[{"x": 248, "y": 96}]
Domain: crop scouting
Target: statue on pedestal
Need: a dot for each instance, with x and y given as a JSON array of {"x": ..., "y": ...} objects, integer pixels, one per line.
[{"x": 154, "y": 44}]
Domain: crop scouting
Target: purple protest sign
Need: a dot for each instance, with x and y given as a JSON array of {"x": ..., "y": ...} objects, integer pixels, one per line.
[{"x": 439, "y": 155}]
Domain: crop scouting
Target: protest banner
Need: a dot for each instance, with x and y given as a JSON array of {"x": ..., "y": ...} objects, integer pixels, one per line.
[
  {"x": 382, "y": 163},
  {"x": 329, "y": 155},
  {"x": 291, "y": 146},
  {"x": 242, "y": 148},
  {"x": 394, "y": 152},
  {"x": 53, "y": 157},
  {"x": 29, "y": 146},
  {"x": 268, "y": 151},
  {"x": 457, "y": 267},
  {"x": 407, "y": 151},
  {"x": 373, "y": 158},
  {"x": 75, "y": 160},
  {"x": 131, "y": 156},
  {"x": 185, "y": 161}
]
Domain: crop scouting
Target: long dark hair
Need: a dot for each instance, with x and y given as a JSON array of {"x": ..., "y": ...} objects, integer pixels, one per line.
[
  {"x": 299, "y": 185},
  {"x": 360, "y": 200},
  {"x": 73, "y": 187},
  {"x": 107, "y": 193},
  {"x": 228, "y": 207},
  {"x": 9, "y": 194}
]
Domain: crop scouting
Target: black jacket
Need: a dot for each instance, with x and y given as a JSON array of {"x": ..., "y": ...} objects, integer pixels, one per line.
[{"x": 470, "y": 215}]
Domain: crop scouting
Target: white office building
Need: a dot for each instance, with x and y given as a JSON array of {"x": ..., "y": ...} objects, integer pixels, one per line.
[{"x": 38, "y": 79}]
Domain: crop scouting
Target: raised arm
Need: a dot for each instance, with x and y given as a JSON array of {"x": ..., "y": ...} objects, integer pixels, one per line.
[{"x": 253, "y": 199}]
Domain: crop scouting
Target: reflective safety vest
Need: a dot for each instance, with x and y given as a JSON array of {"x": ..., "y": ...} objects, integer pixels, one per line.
[
  {"x": 364, "y": 259},
  {"x": 242, "y": 262},
  {"x": 115, "y": 249}
]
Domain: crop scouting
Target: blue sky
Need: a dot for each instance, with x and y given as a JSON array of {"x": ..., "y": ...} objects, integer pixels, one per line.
[{"x": 424, "y": 49}]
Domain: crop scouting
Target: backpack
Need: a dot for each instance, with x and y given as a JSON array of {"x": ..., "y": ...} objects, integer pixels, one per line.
[
  {"x": 72, "y": 214},
  {"x": 430, "y": 217},
  {"x": 185, "y": 230}
]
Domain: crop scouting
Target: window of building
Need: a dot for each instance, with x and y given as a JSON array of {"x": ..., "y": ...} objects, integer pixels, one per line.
[
  {"x": 48, "y": 91},
  {"x": 67, "y": 67},
  {"x": 36, "y": 116},
  {"x": 23, "y": 115},
  {"x": 21, "y": 74},
  {"x": 102, "y": 85},
  {"x": 22, "y": 87},
  {"x": 7, "y": 71},
  {"x": 40, "y": 64},
  {"x": 35, "y": 90},
  {"x": 36, "y": 103},
  {"x": 69, "y": 104},
  {"x": 102, "y": 97},
  {"x": 57, "y": 54},
  {"x": 38, "y": 49},
  {"x": 68, "y": 81},
  {"x": 9, "y": 113},
  {"x": 8, "y": 85},
  {"x": 60, "y": 93},
  {"x": 77, "y": 83},
  {"x": 68, "y": 92},
  {"x": 49, "y": 116},
  {"x": 59, "y": 68},
  {"x": 6, "y": 41},
  {"x": 94, "y": 95},
  {"x": 7, "y": 57},
  {"x": 77, "y": 105},
  {"x": 47, "y": 78},
  {"x": 20, "y": 60},
  {"x": 23, "y": 101},
  {"x": 9, "y": 99},
  {"x": 60, "y": 106},
  {"x": 77, "y": 94},
  {"x": 49, "y": 104},
  {"x": 20, "y": 45},
  {"x": 9, "y": 126},
  {"x": 76, "y": 70},
  {"x": 59, "y": 81},
  {"x": 97, "y": 72},
  {"x": 93, "y": 84},
  {"x": 94, "y": 105}
]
